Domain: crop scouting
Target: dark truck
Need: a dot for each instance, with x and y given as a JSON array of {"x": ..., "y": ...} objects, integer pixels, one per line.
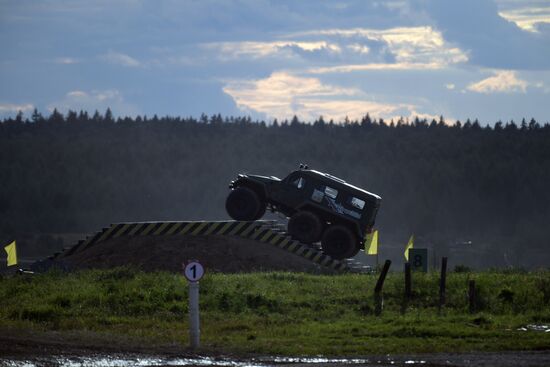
[{"x": 320, "y": 207}]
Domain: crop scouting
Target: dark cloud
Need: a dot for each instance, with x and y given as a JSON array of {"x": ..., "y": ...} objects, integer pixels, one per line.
[{"x": 491, "y": 40}]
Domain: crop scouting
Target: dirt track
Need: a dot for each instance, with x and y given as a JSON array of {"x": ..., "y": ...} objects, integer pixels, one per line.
[{"x": 19, "y": 348}]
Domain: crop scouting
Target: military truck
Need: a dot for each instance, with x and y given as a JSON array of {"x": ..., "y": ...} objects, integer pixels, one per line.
[{"x": 320, "y": 207}]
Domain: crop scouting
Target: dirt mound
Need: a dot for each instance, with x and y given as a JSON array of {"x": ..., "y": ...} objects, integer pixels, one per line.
[{"x": 229, "y": 254}]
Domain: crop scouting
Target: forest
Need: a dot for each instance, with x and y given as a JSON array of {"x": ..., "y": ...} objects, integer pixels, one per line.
[{"x": 447, "y": 182}]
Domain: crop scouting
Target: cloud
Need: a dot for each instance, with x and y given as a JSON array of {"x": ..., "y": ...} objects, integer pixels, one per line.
[
  {"x": 247, "y": 49},
  {"x": 526, "y": 16},
  {"x": 502, "y": 82},
  {"x": 359, "y": 48},
  {"x": 339, "y": 50},
  {"x": 409, "y": 45},
  {"x": 374, "y": 66},
  {"x": 491, "y": 40},
  {"x": 66, "y": 60},
  {"x": 283, "y": 95},
  {"x": 95, "y": 100},
  {"x": 118, "y": 58},
  {"x": 356, "y": 49},
  {"x": 10, "y": 108},
  {"x": 396, "y": 51},
  {"x": 450, "y": 86}
]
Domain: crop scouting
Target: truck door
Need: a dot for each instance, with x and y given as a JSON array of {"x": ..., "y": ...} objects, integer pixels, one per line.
[{"x": 292, "y": 190}]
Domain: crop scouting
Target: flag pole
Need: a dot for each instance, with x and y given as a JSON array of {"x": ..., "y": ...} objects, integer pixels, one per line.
[{"x": 377, "y": 264}]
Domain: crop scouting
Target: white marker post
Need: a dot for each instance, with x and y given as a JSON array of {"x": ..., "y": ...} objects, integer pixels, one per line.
[{"x": 193, "y": 272}]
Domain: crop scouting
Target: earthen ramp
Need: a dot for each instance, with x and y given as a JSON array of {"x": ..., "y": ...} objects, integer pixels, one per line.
[{"x": 222, "y": 246}]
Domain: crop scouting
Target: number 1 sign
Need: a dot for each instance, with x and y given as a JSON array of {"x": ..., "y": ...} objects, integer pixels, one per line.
[{"x": 194, "y": 271}]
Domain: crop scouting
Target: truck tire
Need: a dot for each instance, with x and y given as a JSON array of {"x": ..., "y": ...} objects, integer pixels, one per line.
[
  {"x": 305, "y": 227},
  {"x": 243, "y": 204},
  {"x": 353, "y": 252},
  {"x": 261, "y": 212},
  {"x": 338, "y": 242}
]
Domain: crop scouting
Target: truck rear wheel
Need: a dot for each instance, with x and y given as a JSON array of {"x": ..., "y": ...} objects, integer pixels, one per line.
[
  {"x": 244, "y": 204},
  {"x": 339, "y": 242},
  {"x": 305, "y": 227},
  {"x": 353, "y": 252}
]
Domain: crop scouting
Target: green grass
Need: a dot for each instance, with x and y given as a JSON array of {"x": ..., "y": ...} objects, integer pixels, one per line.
[{"x": 287, "y": 313}]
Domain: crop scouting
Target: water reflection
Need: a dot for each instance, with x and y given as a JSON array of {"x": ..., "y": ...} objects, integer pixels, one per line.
[
  {"x": 497, "y": 359},
  {"x": 104, "y": 361},
  {"x": 534, "y": 327}
]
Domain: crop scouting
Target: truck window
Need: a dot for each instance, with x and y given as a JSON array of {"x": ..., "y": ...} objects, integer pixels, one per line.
[
  {"x": 330, "y": 192},
  {"x": 299, "y": 182},
  {"x": 357, "y": 203},
  {"x": 317, "y": 196}
]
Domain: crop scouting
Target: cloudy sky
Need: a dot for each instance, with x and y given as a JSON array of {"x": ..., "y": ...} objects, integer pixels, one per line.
[{"x": 275, "y": 59}]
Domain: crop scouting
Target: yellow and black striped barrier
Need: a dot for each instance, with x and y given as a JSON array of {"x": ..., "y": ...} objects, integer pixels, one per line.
[{"x": 261, "y": 231}]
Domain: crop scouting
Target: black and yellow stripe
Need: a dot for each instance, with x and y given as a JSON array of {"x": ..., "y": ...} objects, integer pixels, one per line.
[
  {"x": 258, "y": 230},
  {"x": 164, "y": 229}
]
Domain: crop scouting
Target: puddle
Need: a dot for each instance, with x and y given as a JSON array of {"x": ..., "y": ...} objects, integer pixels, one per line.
[
  {"x": 106, "y": 361},
  {"x": 534, "y": 327},
  {"x": 502, "y": 359},
  {"x": 338, "y": 361},
  {"x": 110, "y": 361}
]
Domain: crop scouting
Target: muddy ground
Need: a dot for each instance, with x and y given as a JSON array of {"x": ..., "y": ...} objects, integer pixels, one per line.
[{"x": 25, "y": 348}]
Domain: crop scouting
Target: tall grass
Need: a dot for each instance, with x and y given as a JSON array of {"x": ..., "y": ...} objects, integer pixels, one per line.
[{"x": 287, "y": 313}]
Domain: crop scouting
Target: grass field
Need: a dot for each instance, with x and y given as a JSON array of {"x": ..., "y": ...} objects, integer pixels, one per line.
[{"x": 287, "y": 313}]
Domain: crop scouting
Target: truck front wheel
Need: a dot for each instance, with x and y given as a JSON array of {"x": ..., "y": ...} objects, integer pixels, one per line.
[
  {"x": 338, "y": 242},
  {"x": 305, "y": 227},
  {"x": 244, "y": 204}
]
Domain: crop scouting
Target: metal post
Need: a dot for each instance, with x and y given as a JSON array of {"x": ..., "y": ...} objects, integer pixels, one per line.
[{"x": 194, "y": 323}]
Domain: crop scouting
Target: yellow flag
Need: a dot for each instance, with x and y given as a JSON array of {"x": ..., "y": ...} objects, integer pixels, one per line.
[
  {"x": 371, "y": 243},
  {"x": 12, "y": 254},
  {"x": 410, "y": 245}
]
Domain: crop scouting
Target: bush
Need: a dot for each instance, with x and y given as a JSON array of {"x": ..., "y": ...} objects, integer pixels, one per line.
[
  {"x": 462, "y": 269},
  {"x": 38, "y": 314}
]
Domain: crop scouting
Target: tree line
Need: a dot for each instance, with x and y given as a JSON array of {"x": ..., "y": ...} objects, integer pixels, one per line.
[{"x": 445, "y": 182}]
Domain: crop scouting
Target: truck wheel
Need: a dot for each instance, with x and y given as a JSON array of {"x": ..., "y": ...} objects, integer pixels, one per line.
[
  {"x": 261, "y": 211},
  {"x": 338, "y": 242},
  {"x": 243, "y": 204},
  {"x": 353, "y": 252},
  {"x": 305, "y": 227}
]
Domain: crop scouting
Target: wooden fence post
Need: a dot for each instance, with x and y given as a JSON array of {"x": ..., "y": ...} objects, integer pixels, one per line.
[
  {"x": 442, "y": 283},
  {"x": 472, "y": 295},
  {"x": 408, "y": 291},
  {"x": 408, "y": 287},
  {"x": 378, "y": 299}
]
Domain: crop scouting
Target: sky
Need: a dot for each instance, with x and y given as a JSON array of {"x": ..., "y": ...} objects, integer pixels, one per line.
[{"x": 275, "y": 59}]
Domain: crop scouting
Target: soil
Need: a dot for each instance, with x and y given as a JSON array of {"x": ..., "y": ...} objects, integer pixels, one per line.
[
  {"x": 227, "y": 254},
  {"x": 50, "y": 348}
]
